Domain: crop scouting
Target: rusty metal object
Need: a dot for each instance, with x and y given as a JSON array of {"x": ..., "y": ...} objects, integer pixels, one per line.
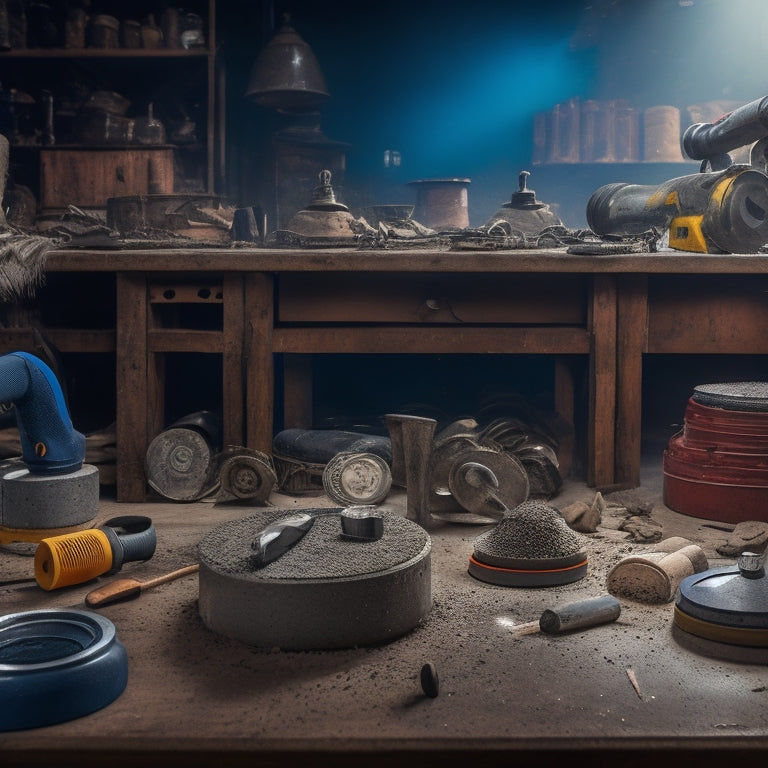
[
  {"x": 411, "y": 438},
  {"x": 442, "y": 204},
  {"x": 524, "y": 212},
  {"x": 325, "y": 221},
  {"x": 195, "y": 216}
]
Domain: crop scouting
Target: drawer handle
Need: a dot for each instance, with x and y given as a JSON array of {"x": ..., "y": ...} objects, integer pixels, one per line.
[{"x": 434, "y": 304}]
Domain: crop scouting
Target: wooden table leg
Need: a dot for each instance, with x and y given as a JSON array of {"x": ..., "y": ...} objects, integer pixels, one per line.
[
  {"x": 233, "y": 428},
  {"x": 602, "y": 384},
  {"x": 259, "y": 361},
  {"x": 132, "y": 415},
  {"x": 632, "y": 340}
]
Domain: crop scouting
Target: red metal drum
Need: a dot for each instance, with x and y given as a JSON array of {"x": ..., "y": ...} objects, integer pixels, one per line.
[{"x": 717, "y": 467}]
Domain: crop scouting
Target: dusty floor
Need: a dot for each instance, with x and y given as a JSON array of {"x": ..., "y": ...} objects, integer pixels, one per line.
[{"x": 194, "y": 696}]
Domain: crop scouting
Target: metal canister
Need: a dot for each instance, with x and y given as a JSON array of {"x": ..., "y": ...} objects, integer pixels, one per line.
[{"x": 442, "y": 204}]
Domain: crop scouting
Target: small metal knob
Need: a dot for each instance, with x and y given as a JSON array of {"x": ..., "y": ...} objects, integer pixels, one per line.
[{"x": 751, "y": 565}]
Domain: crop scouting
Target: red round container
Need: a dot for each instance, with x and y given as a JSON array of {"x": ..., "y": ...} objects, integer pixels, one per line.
[{"x": 717, "y": 467}]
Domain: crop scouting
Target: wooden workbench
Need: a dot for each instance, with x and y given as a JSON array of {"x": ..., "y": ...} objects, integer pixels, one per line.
[{"x": 611, "y": 308}]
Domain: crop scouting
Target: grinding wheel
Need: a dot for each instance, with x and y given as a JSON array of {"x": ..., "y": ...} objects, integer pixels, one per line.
[{"x": 328, "y": 591}]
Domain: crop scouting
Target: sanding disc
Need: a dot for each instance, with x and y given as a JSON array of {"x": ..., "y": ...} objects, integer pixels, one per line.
[{"x": 327, "y": 591}]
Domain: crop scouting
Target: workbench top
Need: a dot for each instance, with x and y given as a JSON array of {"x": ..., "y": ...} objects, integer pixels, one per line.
[{"x": 391, "y": 260}]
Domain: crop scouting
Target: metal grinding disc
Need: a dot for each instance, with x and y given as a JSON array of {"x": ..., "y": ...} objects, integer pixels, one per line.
[
  {"x": 513, "y": 484},
  {"x": 180, "y": 465},
  {"x": 327, "y": 591},
  {"x": 247, "y": 474},
  {"x": 727, "y": 604},
  {"x": 357, "y": 478},
  {"x": 733, "y": 396},
  {"x": 57, "y": 665},
  {"x": 532, "y": 546}
]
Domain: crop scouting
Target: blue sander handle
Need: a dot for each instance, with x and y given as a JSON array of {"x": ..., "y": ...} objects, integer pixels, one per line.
[{"x": 50, "y": 445}]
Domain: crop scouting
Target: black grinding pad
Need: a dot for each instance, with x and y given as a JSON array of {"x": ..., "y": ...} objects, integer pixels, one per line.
[{"x": 733, "y": 396}]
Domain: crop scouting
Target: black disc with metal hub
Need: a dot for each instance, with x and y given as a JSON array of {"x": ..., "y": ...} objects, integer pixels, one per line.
[{"x": 727, "y": 604}]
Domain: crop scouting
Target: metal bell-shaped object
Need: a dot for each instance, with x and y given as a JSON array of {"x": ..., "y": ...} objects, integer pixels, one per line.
[{"x": 286, "y": 75}]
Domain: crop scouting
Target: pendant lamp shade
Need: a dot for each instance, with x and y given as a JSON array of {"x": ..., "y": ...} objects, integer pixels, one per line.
[{"x": 286, "y": 75}]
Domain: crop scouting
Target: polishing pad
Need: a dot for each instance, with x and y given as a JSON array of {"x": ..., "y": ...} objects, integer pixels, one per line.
[
  {"x": 532, "y": 546},
  {"x": 327, "y": 591}
]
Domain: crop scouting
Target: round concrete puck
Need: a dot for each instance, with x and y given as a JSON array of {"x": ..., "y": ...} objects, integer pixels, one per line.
[
  {"x": 327, "y": 591},
  {"x": 35, "y": 506},
  {"x": 430, "y": 683}
]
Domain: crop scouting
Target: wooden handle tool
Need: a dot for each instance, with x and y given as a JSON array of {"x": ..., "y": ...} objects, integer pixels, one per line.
[{"x": 124, "y": 589}]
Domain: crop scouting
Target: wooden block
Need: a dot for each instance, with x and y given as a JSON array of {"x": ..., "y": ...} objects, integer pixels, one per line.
[{"x": 87, "y": 177}]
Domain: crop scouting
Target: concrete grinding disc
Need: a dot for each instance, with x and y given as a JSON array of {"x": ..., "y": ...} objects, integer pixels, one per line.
[
  {"x": 328, "y": 591},
  {"x": 736, "y": 396},
  {"x": 532, "y": 546}
]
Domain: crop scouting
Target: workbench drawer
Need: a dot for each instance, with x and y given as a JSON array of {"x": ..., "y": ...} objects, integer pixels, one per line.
[{"x": 428, "y": 298}]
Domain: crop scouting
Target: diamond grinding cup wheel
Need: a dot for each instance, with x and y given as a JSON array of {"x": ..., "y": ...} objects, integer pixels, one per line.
[
  {"x": 327, "y": 591},
  {"x": 57, "y": 665}
]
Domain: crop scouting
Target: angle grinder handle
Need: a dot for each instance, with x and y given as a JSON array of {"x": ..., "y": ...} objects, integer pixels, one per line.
[{"x": 132, "y": 538}]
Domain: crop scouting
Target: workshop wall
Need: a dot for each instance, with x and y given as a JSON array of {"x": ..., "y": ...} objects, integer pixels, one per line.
[{"x": 454, "y": 88}]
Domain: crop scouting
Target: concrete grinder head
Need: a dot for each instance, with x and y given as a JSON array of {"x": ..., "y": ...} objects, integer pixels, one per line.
[
  {"x": 532, "y": 546},
  {"x": 327, "y": 590}
]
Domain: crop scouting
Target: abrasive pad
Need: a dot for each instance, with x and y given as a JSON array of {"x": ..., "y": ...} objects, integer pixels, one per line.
[
  {"x": 328, "y": 591},
  {"x": 531, "y": 546}
]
